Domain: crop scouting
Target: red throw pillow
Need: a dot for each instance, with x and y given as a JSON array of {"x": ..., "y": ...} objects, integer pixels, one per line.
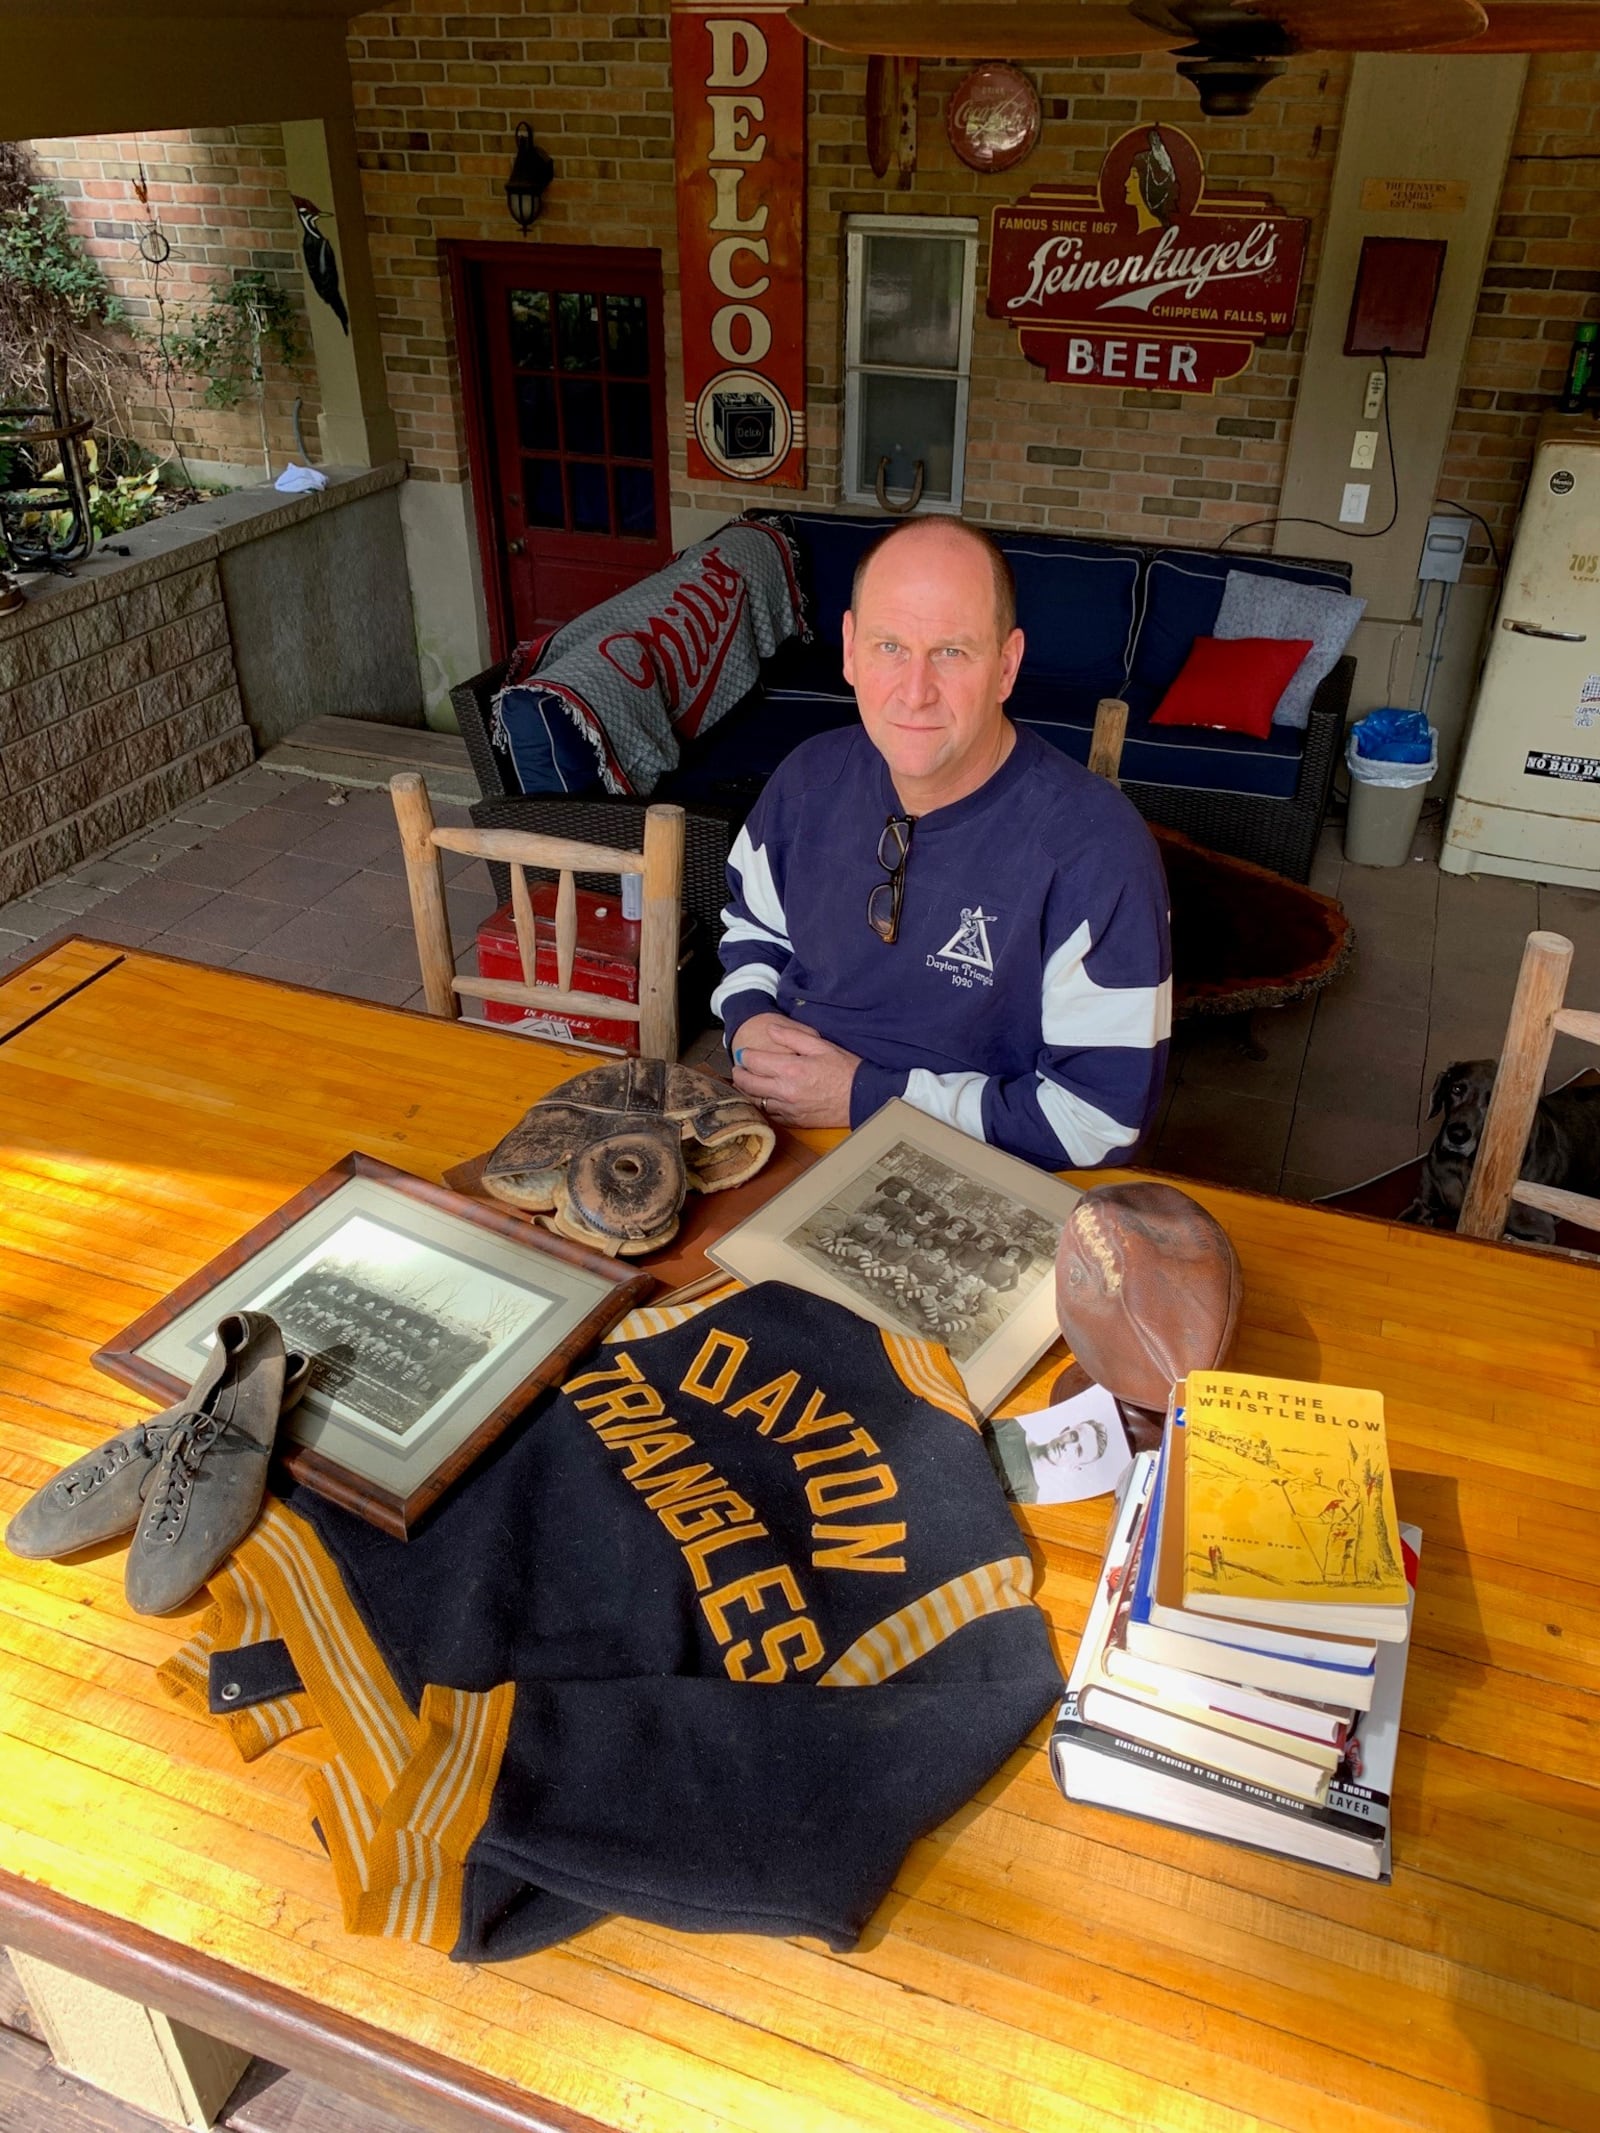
[{"x": 1233, "y": 683}]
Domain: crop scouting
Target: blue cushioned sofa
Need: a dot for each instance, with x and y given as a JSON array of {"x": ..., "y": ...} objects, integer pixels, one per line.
[{"x": 1101, "y": 618}]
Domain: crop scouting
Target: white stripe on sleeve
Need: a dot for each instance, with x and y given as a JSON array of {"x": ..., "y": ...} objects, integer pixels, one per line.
[
  {"x": 1079, "y": 1014},
  {"x": 749, "y": 977},
  {"x": 1084, "y": 1131},
  {"x": 956, "y": 1098},
  {"x": 759, "y": 893}
]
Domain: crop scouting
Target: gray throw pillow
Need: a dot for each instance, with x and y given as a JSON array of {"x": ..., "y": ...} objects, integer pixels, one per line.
[{"x": 1257, "y": 606}]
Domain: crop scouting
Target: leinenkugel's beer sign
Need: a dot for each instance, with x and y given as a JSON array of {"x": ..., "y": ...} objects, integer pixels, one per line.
[
  {"x": 739, "y": 100},
  {"x": 1144, "y": 280}
]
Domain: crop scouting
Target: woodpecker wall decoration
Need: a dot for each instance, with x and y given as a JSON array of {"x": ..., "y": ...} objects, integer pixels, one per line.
[{"x": 322, "y": 264}]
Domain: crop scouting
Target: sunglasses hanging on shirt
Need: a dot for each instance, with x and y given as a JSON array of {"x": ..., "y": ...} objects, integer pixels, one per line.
[{"x": 883, "y": 905}]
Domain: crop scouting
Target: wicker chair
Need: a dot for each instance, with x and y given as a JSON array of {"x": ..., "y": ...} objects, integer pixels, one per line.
[{"x": 593, "y": 819}]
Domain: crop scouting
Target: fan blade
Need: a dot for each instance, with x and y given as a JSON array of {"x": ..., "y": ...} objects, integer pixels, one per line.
[
  {"x": 1376, "y": 25},
  {"x": 1031, "y": 29},
  {"x": 1536, "y": 26}
]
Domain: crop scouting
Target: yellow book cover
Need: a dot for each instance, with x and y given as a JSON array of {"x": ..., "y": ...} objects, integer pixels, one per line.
[{"x": 1288, "y": 1500}]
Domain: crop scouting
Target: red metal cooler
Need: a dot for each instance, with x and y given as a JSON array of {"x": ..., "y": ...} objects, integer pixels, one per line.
[{"x": 606, "y": 962}]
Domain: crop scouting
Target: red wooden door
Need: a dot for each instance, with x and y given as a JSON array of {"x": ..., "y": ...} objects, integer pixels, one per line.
[{"x": 567, "y": 368}]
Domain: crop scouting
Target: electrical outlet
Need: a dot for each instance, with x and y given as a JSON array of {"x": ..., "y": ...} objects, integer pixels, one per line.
[
  {"x": 1364, "y": 452},
  {"x": 1353, "y": 511},
  {"x": 1372, "y": 406}
]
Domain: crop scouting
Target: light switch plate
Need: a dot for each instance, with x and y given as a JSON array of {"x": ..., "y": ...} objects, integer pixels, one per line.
[
  {"x": 1353, "y": 511},
  {"x": 1364, "y": 452}
]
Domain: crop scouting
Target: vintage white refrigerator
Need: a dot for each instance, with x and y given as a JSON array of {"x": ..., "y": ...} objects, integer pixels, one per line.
[{"x": 1527, "y": 798}]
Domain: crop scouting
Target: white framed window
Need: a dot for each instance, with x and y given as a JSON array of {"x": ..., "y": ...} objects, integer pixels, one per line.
[{"x": 908, "y": 355}]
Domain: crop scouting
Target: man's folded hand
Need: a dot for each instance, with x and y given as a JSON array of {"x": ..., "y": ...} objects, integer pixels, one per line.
[{"x": 797, "y": 1077}]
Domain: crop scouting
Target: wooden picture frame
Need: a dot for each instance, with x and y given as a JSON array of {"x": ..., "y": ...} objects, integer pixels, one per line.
[
  {"x": 931, "y": 1274},
  {"x": 438, "y": 1319}
]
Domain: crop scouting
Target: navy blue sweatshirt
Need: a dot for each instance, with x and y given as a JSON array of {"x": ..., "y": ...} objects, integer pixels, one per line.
[
  {"x": 1028, "y": 998},
  {"x": 732, "y": 1620}
]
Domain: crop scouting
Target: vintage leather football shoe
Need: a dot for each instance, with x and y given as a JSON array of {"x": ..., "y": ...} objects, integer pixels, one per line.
[
  {"x": 607, "y": 1157},
  {"x": 209, "y": 1479},
  {"x": 101, "y": 1495}
]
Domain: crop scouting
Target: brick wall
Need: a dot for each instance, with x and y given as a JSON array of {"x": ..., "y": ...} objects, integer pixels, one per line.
[
  {"x": 438, "y": 99},
  {"x": 118, "y": 702},
  {"x": 1543, "y": 277},
  {"x": 223, "y": 204}
]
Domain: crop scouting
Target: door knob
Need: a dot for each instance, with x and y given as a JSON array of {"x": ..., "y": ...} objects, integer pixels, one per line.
[{"x": 519, "y": 547}]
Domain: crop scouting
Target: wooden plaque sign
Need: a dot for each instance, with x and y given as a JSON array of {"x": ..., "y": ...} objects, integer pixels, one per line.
[
  {"x": 1145, "y": 280},
  {"x": 739, "y": 103}
]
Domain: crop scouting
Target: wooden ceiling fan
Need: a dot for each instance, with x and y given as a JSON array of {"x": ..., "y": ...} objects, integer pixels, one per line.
[{"x": 1229, "y": 49}]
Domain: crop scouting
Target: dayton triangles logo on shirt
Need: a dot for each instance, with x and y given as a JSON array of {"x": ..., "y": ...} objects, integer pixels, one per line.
[{"x": 970, "y": 941}]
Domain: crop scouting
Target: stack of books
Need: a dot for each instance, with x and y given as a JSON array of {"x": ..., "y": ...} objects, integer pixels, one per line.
[{"x": 1241, "y": 1670}]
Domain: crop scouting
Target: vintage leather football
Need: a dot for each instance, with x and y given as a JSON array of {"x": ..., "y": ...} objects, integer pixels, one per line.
[
  {"x": 607, "y": 1157},
  {"x": 1147, "y": 1289}
]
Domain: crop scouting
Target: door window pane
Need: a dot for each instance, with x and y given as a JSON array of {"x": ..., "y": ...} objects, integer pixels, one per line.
[
  {"x": 582, "y": 415},
  {"x": 530, "y": 328},
  {"x": 636, "y": 500},
  {"x": 541, "y": 492},
  {"x": 577, "y": 330},
  {"x": 627, "y": 337},
  {"x": 536, "y": 414},
  {"x": 905, "y": 419},
  {"x": 591, "y": 512},
  {"x": 911, "y": 302},
  {"x": 630, "y": 421}
]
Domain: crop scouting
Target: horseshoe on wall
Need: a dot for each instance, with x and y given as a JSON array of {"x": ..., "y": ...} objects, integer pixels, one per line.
[{"x": 881, "y": 485}]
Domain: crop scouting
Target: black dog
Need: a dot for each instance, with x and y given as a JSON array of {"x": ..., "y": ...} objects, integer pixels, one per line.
[{"x": 1563, "y": 1149}]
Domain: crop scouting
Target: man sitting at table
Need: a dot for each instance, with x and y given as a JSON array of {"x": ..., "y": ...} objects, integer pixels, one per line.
[{"x": 939, "y": 906}]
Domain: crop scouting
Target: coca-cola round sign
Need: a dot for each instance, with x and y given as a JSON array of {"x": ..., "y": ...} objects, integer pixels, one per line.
[{"x": 993, "y": 117}]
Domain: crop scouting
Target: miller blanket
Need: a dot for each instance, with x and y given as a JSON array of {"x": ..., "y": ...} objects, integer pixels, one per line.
[
  {"x": 733, "y": 1619},
  {"x": 609, "y": 695}
]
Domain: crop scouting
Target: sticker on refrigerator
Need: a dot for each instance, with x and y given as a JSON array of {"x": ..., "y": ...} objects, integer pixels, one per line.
[
  {"x": 1571, "y": 769},
  {"x": 1561, "y": 481}
]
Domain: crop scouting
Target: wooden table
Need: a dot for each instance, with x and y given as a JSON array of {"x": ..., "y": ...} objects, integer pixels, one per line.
[{"x": 1039, "y": 1965}]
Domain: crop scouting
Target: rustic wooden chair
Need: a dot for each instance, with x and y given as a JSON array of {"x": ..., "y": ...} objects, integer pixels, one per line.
[
  {"x": 660, "y": 863},
  {"x": 1537, "y": 1013},
  {"x": 1110, "y": 732}
]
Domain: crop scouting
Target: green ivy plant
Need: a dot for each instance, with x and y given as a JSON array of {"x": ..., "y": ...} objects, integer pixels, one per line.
[
  {"x": 41, "y": 253},
  {"x": 228, "y": 343}
]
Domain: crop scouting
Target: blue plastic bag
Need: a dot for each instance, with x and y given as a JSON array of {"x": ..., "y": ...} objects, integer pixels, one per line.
[{"x": 1391, "y": 736}]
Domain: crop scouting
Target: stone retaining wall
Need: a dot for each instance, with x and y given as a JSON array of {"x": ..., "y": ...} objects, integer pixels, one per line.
[
  {"x": 118, "y": 702},
  {"x": 173, "y": 653}
]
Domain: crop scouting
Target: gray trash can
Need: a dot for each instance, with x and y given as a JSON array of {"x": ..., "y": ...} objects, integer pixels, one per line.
[{"x": 1385, "y": 804}]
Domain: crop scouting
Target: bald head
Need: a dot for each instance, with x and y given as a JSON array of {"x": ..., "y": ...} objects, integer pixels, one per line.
[{"x": 944, "y": 534}]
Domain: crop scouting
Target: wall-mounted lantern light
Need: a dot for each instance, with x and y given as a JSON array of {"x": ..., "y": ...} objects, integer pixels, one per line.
[{"x": 531, "y": 172}]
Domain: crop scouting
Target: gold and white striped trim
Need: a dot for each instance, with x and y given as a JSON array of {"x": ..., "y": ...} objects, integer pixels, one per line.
[
  {"x": 926, "y": 1369},
  {"x": 239, "y": 1616},
  {"x": 400, "y": 1867},
  {"x": 402, "y": 1800},
  {"x": 911, "y": 1633},
  {"x": 651, "y": 1319},
  {"x": 351, "y": 1688}
]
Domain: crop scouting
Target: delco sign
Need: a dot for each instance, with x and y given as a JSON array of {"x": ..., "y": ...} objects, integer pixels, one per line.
[
  {"x": 1144, "y": 280},
  {"x": 739, "y": 107}
]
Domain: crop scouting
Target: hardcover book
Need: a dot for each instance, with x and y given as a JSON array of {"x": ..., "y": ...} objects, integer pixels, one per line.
[
  {"x": 1289, "y": 1512},
  {"x": 1348, "y": 1830}
]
